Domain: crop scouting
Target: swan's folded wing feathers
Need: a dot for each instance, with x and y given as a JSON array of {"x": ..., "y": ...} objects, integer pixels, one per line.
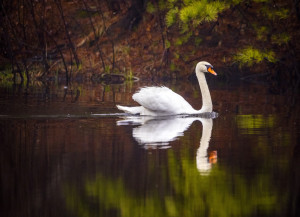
[{"x": 161, "y": 99}]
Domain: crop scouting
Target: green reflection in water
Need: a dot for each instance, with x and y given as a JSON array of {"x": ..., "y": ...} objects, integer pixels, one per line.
[
  {"x": 186, "y": 193},
  {"x": 253, "y": 124},
  {"x": 220, "y": 193}
]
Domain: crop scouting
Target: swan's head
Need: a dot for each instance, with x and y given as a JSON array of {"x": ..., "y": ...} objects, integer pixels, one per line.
[{"x": 204, "y": 66}]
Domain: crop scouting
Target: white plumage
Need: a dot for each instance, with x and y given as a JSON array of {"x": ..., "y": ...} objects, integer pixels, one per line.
[{"x": 162, "y": 101}]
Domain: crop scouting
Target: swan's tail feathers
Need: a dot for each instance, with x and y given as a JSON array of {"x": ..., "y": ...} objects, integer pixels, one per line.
[{"x": 130, "y": 110}]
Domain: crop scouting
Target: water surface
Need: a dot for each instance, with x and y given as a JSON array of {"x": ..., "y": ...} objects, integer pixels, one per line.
[{"x": 59, "y": 157}]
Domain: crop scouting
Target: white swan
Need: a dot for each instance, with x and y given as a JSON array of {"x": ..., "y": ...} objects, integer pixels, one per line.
[{"x": 161, "y": 101}]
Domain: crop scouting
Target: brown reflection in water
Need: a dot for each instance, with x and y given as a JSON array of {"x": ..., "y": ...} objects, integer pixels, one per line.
[{"x": 40, "y": 157}]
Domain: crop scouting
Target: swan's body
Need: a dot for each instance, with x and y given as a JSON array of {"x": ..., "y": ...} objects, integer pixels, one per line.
[{"x": 161, "y": 101}]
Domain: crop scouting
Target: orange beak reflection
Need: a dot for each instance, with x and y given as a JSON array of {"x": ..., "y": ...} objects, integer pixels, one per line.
[
  {"x": 213, "y": 157},
  {"x": 210, "y": 70}
]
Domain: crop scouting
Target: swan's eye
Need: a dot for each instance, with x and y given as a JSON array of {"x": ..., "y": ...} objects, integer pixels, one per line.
[{"x": 209, "y": 66}]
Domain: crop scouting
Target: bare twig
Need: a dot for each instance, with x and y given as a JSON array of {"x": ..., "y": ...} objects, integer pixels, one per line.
[
  {"x": 59, "y": 6},
  {"x": 96, "y": 36}
]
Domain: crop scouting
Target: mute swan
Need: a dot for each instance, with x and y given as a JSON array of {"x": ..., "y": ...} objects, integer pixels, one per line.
[{"x": 161, "y": 101}]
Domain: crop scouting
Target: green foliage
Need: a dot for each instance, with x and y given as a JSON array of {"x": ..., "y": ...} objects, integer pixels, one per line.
[
  {"x": 126, "y": 50},
  {"x": 80, "y": 67},
  {"x": 173, "y": 67},
  {"x": 24, "y": 77},
  {"x": 261, "y": 1},
  {"x": 6, "y": 76},
  {"x": 107, "y": 69},
  {"x": 167, "y": 44},
  {"x": 282, "y": 13},
  {"x": 183, "y": 39},
  {"x": 211, "y": 13},
  {"x": 184, "y": 28},
  {"x": 162, "y": 4},
  {"x": 150, "y": 8},
  {"x": 200, "y": 11},
  {"x": 178, "y": 42},
  {"x": 107, "y": 88},
  {"x": 85, "y": 14},
  {"x": 262, "y": 32},
  {"x": 129, "y": 76},
  {"x": 194, "y": 11},
  {"x": 280, "y": 39},
  {"x": 171, "y": 16},
  {"x": 198, "y": 41},
  {"x": 188, "y": 14},
  {"x": 187, "y": 2},
  {"x": 234, "y": 2},
  {"x": 176, "y": 55},
  {"x": 249, "y": 56},
  {"x": 274, "y": 14}
]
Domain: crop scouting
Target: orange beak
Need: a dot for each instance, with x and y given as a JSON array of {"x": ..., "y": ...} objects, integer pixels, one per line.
[{"x": 210, "y": 70}]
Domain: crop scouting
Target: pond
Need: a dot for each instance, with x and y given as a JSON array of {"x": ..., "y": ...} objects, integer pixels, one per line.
[{"x": 62, "y": 155}]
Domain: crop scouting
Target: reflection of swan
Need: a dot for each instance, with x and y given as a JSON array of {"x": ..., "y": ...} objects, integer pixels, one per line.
[
  {"x": 203, "y": 160},
  {"x": 161, "y": 101},
  {"x": 158, "y": 132}
]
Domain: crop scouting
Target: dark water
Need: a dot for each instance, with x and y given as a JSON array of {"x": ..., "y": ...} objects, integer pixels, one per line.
[{"x": 59, "y": 157}]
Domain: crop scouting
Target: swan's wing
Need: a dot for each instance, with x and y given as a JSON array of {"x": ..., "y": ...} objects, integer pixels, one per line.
[{"x": 162, "y": 99}]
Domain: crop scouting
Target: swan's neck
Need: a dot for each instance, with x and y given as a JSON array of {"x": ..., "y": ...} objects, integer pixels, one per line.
[{"x": 206, "y": 99}]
